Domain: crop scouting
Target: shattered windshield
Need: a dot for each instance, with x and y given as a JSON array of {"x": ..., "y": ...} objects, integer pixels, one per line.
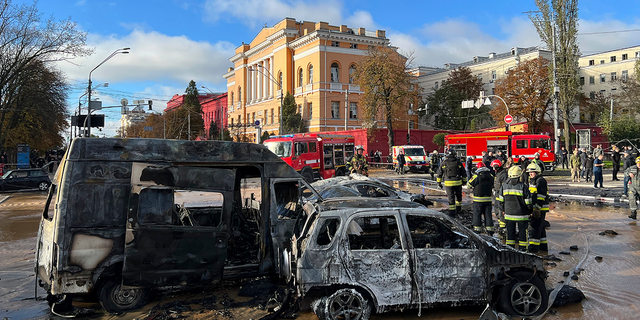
[
  {"x": 282, "y": 149},
  {"x": 413, "y": 152}
]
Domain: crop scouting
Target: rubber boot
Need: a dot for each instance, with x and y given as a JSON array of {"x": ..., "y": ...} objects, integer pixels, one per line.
[{"x": 633, "y": 215}]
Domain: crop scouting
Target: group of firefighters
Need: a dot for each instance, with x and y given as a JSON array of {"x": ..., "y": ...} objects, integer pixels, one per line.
[{"x": 519, "y": 198}]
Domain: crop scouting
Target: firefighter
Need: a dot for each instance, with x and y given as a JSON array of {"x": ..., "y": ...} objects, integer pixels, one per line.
[
  {"x": 482, "y": 185},
  {"x": 540, "y": 198},
  {"x": 633, "y": 173},
  {"x": 500, "y": 178},
  {"x": 452, "y": 172},
  {"x": 536, "y": 160},
  {"x": 359, "y": 162},
  {"x": 435, "y": 163},
  {"x": 515, "y": 201}
]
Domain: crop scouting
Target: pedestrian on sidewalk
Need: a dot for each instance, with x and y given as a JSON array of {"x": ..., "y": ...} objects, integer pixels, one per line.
[
  {"x": 401, "y": 162},
  {"x": 583, "y": 163},
  {"x": 564, "y": 158},
  {"x": 574, "y": 165},
  {"x": 482, "y": 185},
  {"x": 589, "y": 168},
  {"x": 615, "y": 157},
  {"x": 515, "y": 200},
  {"x": 634, "y": 187},
  {"x": 597, "y": 151},
  {"x": 540, "y": 198},
  {"x": 598, "y": 164}
]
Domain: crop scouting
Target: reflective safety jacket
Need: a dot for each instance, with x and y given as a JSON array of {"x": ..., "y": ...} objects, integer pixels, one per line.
[
  {"x": 539, "y": 192},
  {"x": 482, "y": 185},
  {"x": 634, "y": 184},
  {"x": 514, "y": 200},
  {"x": 452, "y": 172},
  {"x": 359, "y": 163}
]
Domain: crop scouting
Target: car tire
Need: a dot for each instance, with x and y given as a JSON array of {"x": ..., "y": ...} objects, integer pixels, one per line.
[
  {"x": 344, "y": 304},
  {"x": 43, "y": 186},
  {"x": 115, "y": 300},
  {"x": 308, "y": 175},
  {"x": 525, "y": 296}
]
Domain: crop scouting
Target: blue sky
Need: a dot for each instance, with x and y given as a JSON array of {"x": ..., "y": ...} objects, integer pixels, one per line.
[{"x": 174, "y": 41}]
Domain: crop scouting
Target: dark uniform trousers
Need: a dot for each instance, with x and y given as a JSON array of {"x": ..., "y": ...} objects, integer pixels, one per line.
[
  {"x": 454, "y": 195},
  {"x": 482, "y": 209},
  {"x": 539, "y": 193}
]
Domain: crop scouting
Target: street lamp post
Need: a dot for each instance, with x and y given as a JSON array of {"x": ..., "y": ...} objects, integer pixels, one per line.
[
  {"x": 123, "y": 50},
  {"x": 488, "y": 102},
  {"x": 409, "y": 121},
  {"x": 270, "y": 77}
]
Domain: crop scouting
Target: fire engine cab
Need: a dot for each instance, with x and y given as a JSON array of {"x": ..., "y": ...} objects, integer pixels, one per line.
[
  {"x": 515, "y": 145},
  {"x": 314, "y": 155}
]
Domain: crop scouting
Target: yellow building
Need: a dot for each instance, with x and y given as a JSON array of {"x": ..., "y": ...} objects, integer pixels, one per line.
[{"x": 313, "y": 61}]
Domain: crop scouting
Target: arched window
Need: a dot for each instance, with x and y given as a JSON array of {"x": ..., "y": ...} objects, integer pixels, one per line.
[
  {"x": 232, "y": 98},
  {"x": 240, "y": 94},
  {"x": 310, "y": 74},
  {"x": 352, "y": 71},
  {"x": 300, "y": 78},
  {"x": 280, "y": 79},
  {"x": 335, "y": 72}
]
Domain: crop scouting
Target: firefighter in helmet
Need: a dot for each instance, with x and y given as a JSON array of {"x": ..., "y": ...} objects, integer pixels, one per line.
[
  {"x": 500, "y": 178},
  {"x": 540, "y": 197},
  {"x": 482, "y": 185},
  {"x": 359, "y": 162},
  {"x": 514, "y": 200},
  {"x": 452, "y": 173}
]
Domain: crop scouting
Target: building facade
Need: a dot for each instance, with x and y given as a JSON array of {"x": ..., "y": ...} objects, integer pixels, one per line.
[
  {"x": 214, "y": 109},
  {"x": 313, "y": 61}
]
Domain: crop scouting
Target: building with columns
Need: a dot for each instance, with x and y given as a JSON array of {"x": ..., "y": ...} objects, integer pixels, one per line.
[{"x": 313, "y": 61}]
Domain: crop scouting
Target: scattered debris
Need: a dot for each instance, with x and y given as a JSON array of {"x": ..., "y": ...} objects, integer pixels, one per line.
[
  {"x": 551, "y": 264},
  {"x": 599, "y": 258},
  {"x": 573, "y": 248},
  {"x": 608, "y": 233},
  {"x": 566, "y": 273},
  {"x": 564, "y": 252},
  {"x": 578, "y": 270},
  {"x": 553, "y": 312},
  {"x": 574, "y": 277},
  {"x": 568, "y": 295},
  {"x": 551, "y": 257}
]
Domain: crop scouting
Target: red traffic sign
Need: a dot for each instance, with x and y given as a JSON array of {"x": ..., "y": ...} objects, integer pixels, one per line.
[{"x": 508, "y": 119}]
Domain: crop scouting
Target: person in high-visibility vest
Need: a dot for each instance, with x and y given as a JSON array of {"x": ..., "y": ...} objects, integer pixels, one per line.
[
  {"x": 540, "y": 197},
  {"x": 452, "y": 173},
  {"x": 482, "y": 185},
  {"x": 515, "y": 200},
  {"x": 500, "y": 178}
]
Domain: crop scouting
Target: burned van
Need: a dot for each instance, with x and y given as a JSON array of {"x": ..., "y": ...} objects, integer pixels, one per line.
[{"x": 131, "y": 215}]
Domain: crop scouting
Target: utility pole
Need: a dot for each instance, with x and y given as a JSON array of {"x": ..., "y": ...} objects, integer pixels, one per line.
[
  {"x": 556, "y": 90},
  {"x": 346, "y": 109},
  {"x": 611, "y": 112}
]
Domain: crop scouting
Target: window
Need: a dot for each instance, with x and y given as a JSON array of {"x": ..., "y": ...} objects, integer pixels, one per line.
[
  {"x": 335, "y": 44},
  {"x": 301, "y": 147},
  {"x": 328, "y": 157},
  {"x": 592, "y": 62},
  {"x": 592, "y": 95},
  {"x": 352, "y": 71},
  {"x": 637, "y": 54},
  {"x": 310, "y": 74},
  {"x": 614, "y": 76},
  {"x": 280, "y": 80},
  {"x": 354, "y": 46},
  {"x": 335, "y": 109},
  {"x": 430, "y": 232},
  {"x": 300, "y": 109},
  {"x": 335, "y": 71},
  {"x": 625, "y": 75},
  {"x": 542, "y": 143},
  {"x": 353, "y": 110},
  {"x": 271, "y": 116},
  {"x": 435, "y": 86},
  {"x": 582, "y": 81},
  {"x": 601, "y": 61},
  {"x": 232, "y": 98},
  {"x": 179, "y": 207},
  {"x": 613, "y": 58},
  {"x": 312, "y": 147},
  {"x": 625, "y": 56},
  {"x": 480, "y": 76},
  {"x": 602, "y": 78},
  {"x": 592, "y": 79},
  {"x": 310, "y": 110},
  {"x": 287, "y": 198},
  {"x": 371, "y": 191},
  {"x": 493, "y": 90},
  {"x": 521, "y": 144},
  {"x": 278, "y": 114},
  {"x": 239, "y": 94},
  {"x": 493, "y": 75},
  {"x": 327, "y": 231},
  {"x": 37, "y": 173},
  {"x": 300, "y": 78},
  {"x": 253, "y": 117},
  {"x": 374, "y": 233}
]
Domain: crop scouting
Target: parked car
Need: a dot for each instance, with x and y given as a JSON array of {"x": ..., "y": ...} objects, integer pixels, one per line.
[
  {"x": 356, "y": 185},
  {"x": 25, "y": 179},
  {"x": 352, "y": 261}
]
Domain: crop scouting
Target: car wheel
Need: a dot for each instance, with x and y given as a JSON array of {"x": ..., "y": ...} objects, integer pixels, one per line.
[
  {"x": 43, "y": 186},
  {"x": 114, "y": 299},
  {"x": 345, "y": 304},
  {"x": 308, "y": 175},
  {"x": 525, "y": 296}
]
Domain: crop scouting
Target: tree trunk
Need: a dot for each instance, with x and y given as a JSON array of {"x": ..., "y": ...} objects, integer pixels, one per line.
[{"x": 567, "y": 132}]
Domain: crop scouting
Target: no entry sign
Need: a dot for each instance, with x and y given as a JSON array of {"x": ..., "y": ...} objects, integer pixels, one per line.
[{"x": 508, "y": 119}]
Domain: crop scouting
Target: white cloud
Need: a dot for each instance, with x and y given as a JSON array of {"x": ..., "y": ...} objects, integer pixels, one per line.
[
  {"x": 361, "y": 19},
  {"x": 153, "y": 57},
  {"x": 258, "y": 12},
  {"x": 594, "y": 43}
]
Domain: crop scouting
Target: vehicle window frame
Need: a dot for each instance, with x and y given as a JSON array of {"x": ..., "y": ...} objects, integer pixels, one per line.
[
  {"x": 345, "y": 231},
  {"x": 318, "y": 229},
  {"x": 526, "y": 144},
  {"x": 444, "y": 226}
]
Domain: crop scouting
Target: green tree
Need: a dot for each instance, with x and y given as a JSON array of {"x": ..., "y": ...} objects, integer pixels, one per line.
[
  {"x": 187, "y": 115},
  {"x": 445, "y": 103},
  {"x": 292, "y": 119},
  {"x": 28, "y": 43},
  {"x": 563, "y": 16},
  {"x": 214, "y": 131},
  {"x": 619, "y": 128},
  {"x": 388, "y": 89},
  {"x": 265, "y": 136},
  {"x": 226, "y": 135},
  {"x": 439, "y": 139}
]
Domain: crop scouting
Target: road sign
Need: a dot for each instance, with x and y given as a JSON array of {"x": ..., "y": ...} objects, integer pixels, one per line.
[
  {"x": 467, "y": 104},
  {"x": 139, "y": 101},
  {"x": 478, "y": 103},
  {"x": 508, "y": 119}
]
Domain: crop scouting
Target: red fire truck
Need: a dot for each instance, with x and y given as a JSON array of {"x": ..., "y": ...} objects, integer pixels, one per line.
[
  {"x": 515, "y": 145},
  {"x": 314, "y": 155}
]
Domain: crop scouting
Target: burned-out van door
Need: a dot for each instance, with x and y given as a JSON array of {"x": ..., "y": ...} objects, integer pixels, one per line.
[
  {"x": 177, "y": 225},
  {"x": 287, "y": 202}
]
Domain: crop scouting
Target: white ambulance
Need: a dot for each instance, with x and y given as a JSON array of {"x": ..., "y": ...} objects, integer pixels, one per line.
[{"x": 416, "y": 159}]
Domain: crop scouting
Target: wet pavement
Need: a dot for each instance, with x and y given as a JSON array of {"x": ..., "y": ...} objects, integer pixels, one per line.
[{"x": 612, "y": 285}]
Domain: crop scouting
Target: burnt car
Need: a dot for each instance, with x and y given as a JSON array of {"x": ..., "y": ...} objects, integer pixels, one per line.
[
  {"x": 350, "y": 262},
  {"x": 357, "y": 185},
  {"x": 25, "y": 179}
]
